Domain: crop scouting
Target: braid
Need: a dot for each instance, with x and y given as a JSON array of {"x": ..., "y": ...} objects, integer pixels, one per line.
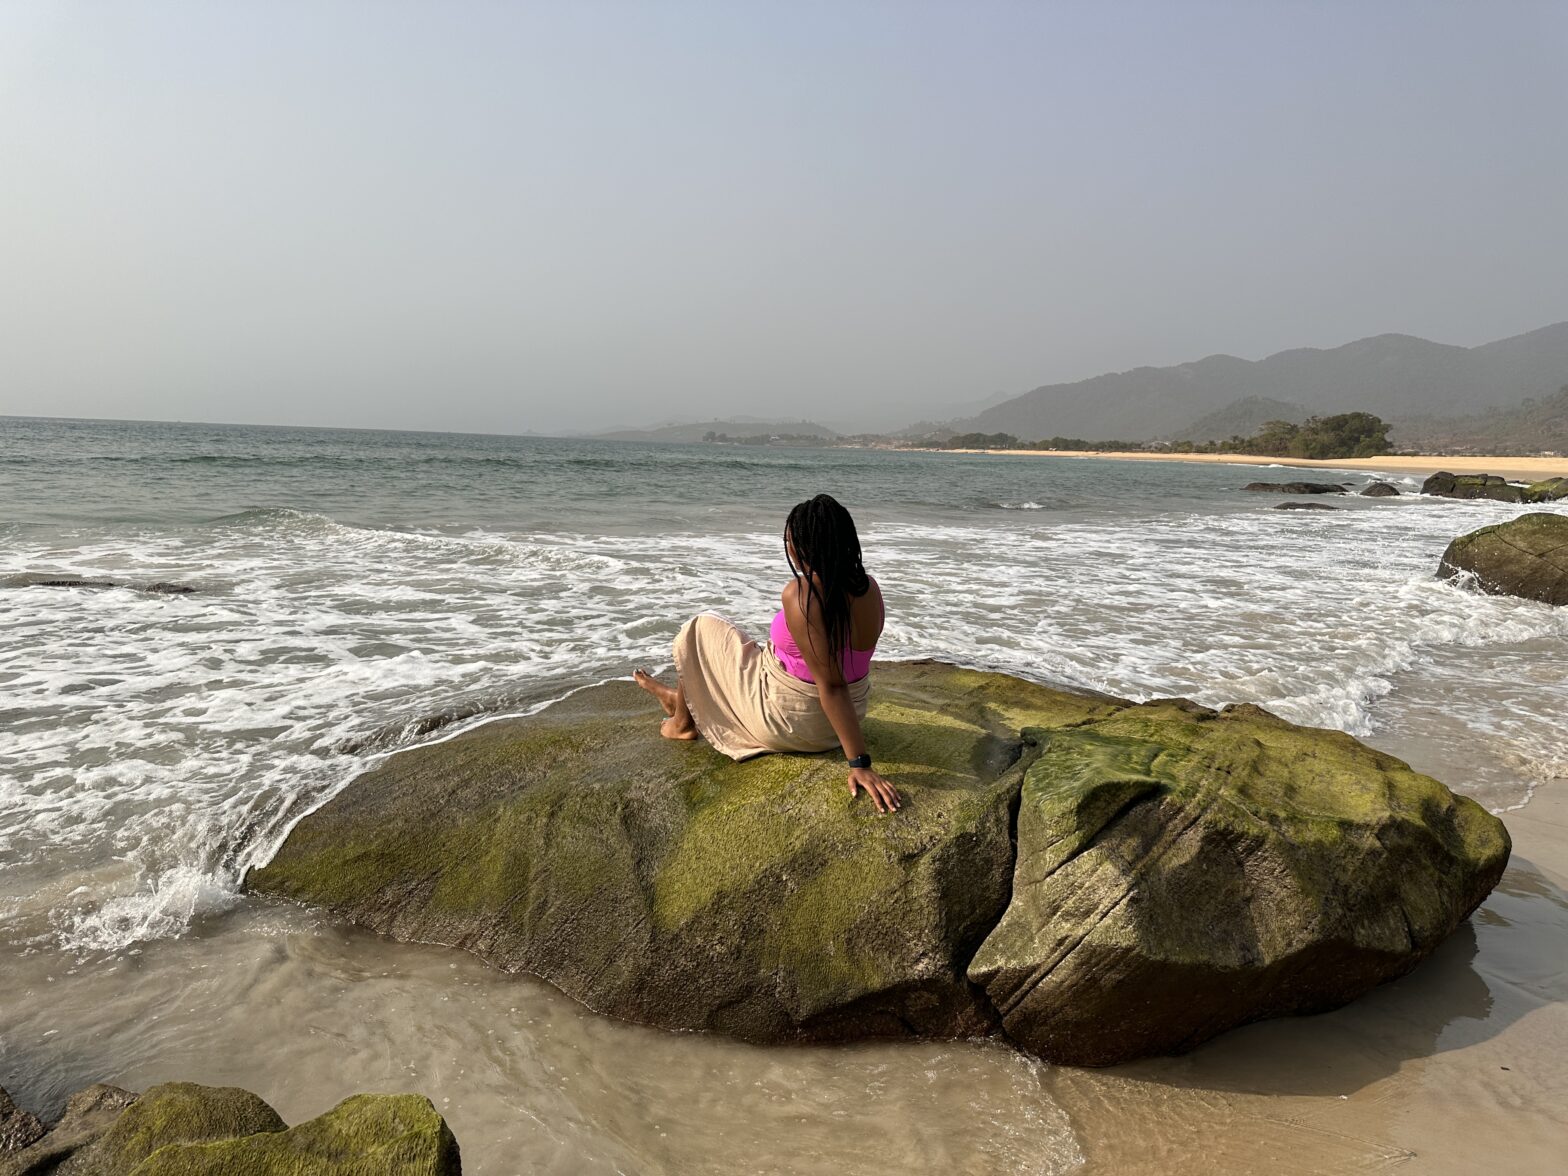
[{"x": 827, "y": 543}]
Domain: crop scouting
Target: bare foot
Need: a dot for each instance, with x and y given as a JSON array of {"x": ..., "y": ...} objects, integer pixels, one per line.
[
  {"x": 658, "y": 689},
  {"x": 673, "y": 728}
]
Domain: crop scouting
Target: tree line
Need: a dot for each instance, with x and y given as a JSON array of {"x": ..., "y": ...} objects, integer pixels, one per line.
[{"x": 1350, "y": 434}]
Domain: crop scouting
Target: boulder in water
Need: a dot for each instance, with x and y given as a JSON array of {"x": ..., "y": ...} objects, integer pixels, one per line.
[
  {"x": 1445, "y": 485},
  {"x": 1303, "y": 506},
  {"x": 660, "y": 882},
  {"x": 1548, "y": 490},
  {"x": 88, "y": 1114},
  {"x": 1097, "y": 879},
  {"x": 54, "y": 580},
  {"x": 1295, "y": 487},
  {"x": 18, "y": 1128},
  {"x": 1527, "y": 556},
  {"x": 1380, "y": 490}
]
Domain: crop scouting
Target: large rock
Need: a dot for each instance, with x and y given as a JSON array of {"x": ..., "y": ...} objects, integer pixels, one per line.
[
  {"x": 1527, "y": 556},
  {"x": 176, "y": 1112},
  {"x": 1445, "y": 485},
  {"x": 366, "y": 1135},
  {"x": 1182, "y": 871},
  {"x": 182, "y": 1129},
  {"x": 663, "y": 883},
  {"x": 1295, "y": 487},
  {"x": 1176, "y": 871},
  {"x": 1549, "y": 490},
  {"x": 1379, "y": 490}
]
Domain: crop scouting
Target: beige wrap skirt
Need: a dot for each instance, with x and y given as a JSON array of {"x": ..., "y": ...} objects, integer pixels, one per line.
[{"x": 744, "y": 701}]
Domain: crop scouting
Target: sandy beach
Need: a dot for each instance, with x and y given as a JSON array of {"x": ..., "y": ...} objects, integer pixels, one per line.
[{"x": 1523, "y": 469}]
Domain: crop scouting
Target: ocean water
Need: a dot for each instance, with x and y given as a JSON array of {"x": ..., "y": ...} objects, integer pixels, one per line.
[{"x": 355, "y": 592}]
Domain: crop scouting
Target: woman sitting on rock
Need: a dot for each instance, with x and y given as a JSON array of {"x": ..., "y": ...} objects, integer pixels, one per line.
[{"x": 805, "y": 690}]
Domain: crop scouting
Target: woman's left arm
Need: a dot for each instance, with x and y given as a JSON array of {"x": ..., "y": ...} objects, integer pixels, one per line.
[{"x": 836, "y": 704}]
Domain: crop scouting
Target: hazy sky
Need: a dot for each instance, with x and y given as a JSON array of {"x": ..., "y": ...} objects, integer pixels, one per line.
[{"x": 510, "y": 216}]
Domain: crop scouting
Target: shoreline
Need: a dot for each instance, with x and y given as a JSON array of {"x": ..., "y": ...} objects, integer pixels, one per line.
[{"x": 1524, "y": 469}]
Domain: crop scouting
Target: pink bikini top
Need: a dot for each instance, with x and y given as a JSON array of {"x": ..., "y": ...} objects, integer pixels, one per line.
[{"x": 856, "y": 663}]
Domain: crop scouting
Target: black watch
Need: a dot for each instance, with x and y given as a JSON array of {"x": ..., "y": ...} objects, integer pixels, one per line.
[{"x": 861, "y": 761}]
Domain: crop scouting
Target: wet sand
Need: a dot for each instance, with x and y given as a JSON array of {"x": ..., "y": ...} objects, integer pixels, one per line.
[{"x": 1524, "y": 469}]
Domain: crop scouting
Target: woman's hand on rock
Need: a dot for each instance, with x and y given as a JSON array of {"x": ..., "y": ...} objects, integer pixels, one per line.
[{"x": 877, "y": 786}]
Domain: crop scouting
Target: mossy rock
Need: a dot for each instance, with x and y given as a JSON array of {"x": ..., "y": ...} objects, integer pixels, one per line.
[
  {"x": 366, "y": 1135},
  {"x": 1183, "y": 870},
  {"x": 1526, "y": 556},
  {"x": 660, "y": 882},
  {"x": 1548, "y": 490},
  {"x": 1446, "y": 485},
  {"x": 175, "y": 1112}
]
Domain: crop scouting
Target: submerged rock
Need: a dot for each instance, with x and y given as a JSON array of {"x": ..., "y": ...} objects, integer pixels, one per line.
[
  {"x": 1176, "y": 872},
  {"x": 88, "y": 1114},
  {"x": 1527, "y": 556},
  {"x": 1295, "y": 487},
  {"x": 18, "y": 1128},
  {"x": 51, "y": 580},
  {"x": 1304, "y": 506},
  {"x": 183, "y": 1129},
  {"x": 1380, "y": 490}
]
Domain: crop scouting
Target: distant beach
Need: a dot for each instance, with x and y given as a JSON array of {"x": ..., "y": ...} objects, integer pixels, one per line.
[{"x": 1525, "y": 469}]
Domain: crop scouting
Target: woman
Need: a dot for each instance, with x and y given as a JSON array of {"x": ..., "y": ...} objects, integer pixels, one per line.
[{"x": 807, "y": 689}]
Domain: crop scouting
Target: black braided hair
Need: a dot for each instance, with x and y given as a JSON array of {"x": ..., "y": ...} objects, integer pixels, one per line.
[{"x": 826, "y": 541}]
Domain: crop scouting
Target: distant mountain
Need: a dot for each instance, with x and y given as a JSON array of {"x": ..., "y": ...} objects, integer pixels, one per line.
[
  {"x": 1395, "y": 376},
  {"x": 1240, "y": 418},
  {"x": 732, "y": 426},
  {"x": 1539, "y": 425}
]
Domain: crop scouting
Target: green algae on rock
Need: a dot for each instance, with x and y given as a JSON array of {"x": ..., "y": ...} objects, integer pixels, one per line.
[
  {"x": 1049, "y": 843},
  {"x": 175, "y": 1112},
  {"x": 1182, "y": 870},
  {"x": 1446, "y": 485},
  {"x": 663, "y": 883},
  {"x": 187, "y": 1129},
  {"x": 183, "y": 1129},
  {"x": 366, "y": 1135},
  {"x": 1547, "y": 490},
  {"x": 1526, "y": 557}
]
